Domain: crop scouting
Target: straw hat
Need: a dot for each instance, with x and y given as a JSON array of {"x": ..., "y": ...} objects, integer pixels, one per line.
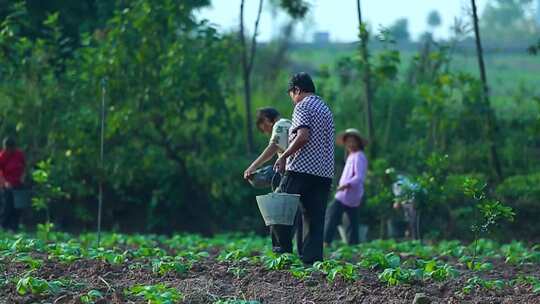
[{"x": 351, "y": 132}]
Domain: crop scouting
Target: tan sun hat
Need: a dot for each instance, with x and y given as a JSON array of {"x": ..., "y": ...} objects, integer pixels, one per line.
[{"x": 340, "y": 140}]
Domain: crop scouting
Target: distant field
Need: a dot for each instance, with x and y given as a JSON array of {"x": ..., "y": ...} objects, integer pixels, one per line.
[{"x": 506, "y": 71}]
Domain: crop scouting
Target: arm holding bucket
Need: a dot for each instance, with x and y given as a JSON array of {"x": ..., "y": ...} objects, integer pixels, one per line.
[{"x": 300, "y": 140}]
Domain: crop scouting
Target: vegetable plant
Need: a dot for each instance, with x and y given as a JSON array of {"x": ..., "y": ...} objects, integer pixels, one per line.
[
  {"x": 91, "y": 297},
  {"x": 37, "y": 286},
  {"x": 332, "y": 269},
  {"x": 477, "y": 282},
  {"x": 167, "y": 264},
  {"x": 398, "y": 275},
  {"x": 156, "y": 294}
]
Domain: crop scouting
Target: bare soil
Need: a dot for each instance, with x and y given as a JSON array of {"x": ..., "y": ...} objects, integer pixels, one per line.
[{"x": 210, "y": 280}]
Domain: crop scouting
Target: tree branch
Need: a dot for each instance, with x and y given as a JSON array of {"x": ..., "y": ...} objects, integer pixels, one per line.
[
  {"x": 242, "y": 36},
  {"x": 254, "y": 38}
]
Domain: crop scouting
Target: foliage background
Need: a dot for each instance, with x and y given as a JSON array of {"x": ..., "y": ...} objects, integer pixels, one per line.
[{"x": 175, "y": 147}]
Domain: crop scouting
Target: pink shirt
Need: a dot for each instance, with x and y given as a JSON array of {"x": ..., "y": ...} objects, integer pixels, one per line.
[{"x": 354, "y": 175}]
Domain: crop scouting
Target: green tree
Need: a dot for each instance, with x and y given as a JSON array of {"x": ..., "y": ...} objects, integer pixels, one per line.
[
  {"x": 170, "y": 134},
  {"x": 400, "y": 30},
  {"x": 75, "y": 17},
  {"x": 366, "y": 72},
  {"x": 505, "y": 22},
  {"x": 32, "y": 87},
  {"x": 165, "y": 123},
  {"x": 434, "y": 19}
]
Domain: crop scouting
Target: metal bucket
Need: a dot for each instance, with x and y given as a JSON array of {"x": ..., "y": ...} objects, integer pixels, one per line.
[
  {"x": 278, "y": 208},
  {"x": 22, "y": 198},
  {"x": 262, "y": 178}
]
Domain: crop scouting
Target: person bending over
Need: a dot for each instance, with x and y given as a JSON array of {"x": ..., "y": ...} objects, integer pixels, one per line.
[{"x": 269, "y": 122}]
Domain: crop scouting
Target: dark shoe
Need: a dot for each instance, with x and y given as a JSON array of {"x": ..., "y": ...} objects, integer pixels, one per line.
[{"x": 279, "y": 250}]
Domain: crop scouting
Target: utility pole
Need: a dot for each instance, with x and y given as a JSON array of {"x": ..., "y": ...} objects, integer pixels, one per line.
[{"x": 101, "y": 158}]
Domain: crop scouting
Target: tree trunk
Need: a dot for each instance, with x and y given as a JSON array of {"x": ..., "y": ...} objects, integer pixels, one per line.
[
  {"x": 368, "y": 90},
  {"x": 492, "y": 129},
  {"x": 247, "y": 67},
  {"x": 388, "y": 129}
]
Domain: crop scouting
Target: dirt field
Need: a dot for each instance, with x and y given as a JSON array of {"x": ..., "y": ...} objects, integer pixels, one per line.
[{"x": 210, "y": 280}]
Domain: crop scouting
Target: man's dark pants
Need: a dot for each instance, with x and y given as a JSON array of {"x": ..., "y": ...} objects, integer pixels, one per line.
[
  {"x": 334, "y": 216},
  {"x": 277, "y": 230},
  {"x": 284, "y": 244},
  {"x": 9, "y": 215},
  {"x": 314, "y": 191}
]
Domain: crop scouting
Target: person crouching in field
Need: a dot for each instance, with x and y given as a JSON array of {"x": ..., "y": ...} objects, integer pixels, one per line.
[
  {"x": 350, "y": 189},
  {"x": 269, "y": 122}
]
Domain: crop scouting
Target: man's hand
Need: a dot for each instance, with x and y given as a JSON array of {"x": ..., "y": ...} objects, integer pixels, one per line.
[
  {"x": 343, "y": 187},
  {"x": 249, "y": 172},
  {"x": 279, "y": 166}
]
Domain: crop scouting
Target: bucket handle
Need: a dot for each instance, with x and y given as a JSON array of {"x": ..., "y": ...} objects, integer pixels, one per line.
[{"x": 276, "y": 174}]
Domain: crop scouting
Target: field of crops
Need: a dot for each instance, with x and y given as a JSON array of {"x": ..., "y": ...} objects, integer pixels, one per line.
[{"x": 51, "y": 267}]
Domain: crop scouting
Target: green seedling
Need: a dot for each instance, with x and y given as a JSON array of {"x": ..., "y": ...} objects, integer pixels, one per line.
[
  {"x": 477, "y": 282},
  {"x": 156, "y": 294},
  {"x": 398, "y": 275},
  {"x": 274, "y": 261},
  {"x": 37, "y": 286},
  {"x": 91, "y": 297},
  {"x": 475, "y": 266},
  {"x": 65, "y": 252},
  {"x": 238, "y": 272},
  {"x": 32, "y": 263},
  {"x": 235, "y": 255},
  {"x": 534, "y": 282},
  {"x": 438, "y": 272},
  {"x": 491, "y": 211},
  {"x": 379, "y": 260},
  {"x": 450, "y": 248},
  {"x": 332, "y": 269},
  {"x": 165, "y": 266},
  {"x": 516, "y": 253},
  {"x": 108, "y": 255},
  {"x": 301, "y": 272}
]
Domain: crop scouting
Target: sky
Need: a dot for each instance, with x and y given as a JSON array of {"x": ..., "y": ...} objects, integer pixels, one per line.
[{"x": 339, "y": 17}]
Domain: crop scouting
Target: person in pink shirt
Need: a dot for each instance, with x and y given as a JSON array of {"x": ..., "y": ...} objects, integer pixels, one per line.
[{"x": 350, "y": 188}]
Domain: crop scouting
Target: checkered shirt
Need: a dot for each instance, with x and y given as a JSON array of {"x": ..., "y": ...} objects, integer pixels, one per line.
[{"x": 316, "y": 157}]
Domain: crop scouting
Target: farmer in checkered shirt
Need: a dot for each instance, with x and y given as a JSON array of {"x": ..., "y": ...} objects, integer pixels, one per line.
[{"x": 308, "y": 164}]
